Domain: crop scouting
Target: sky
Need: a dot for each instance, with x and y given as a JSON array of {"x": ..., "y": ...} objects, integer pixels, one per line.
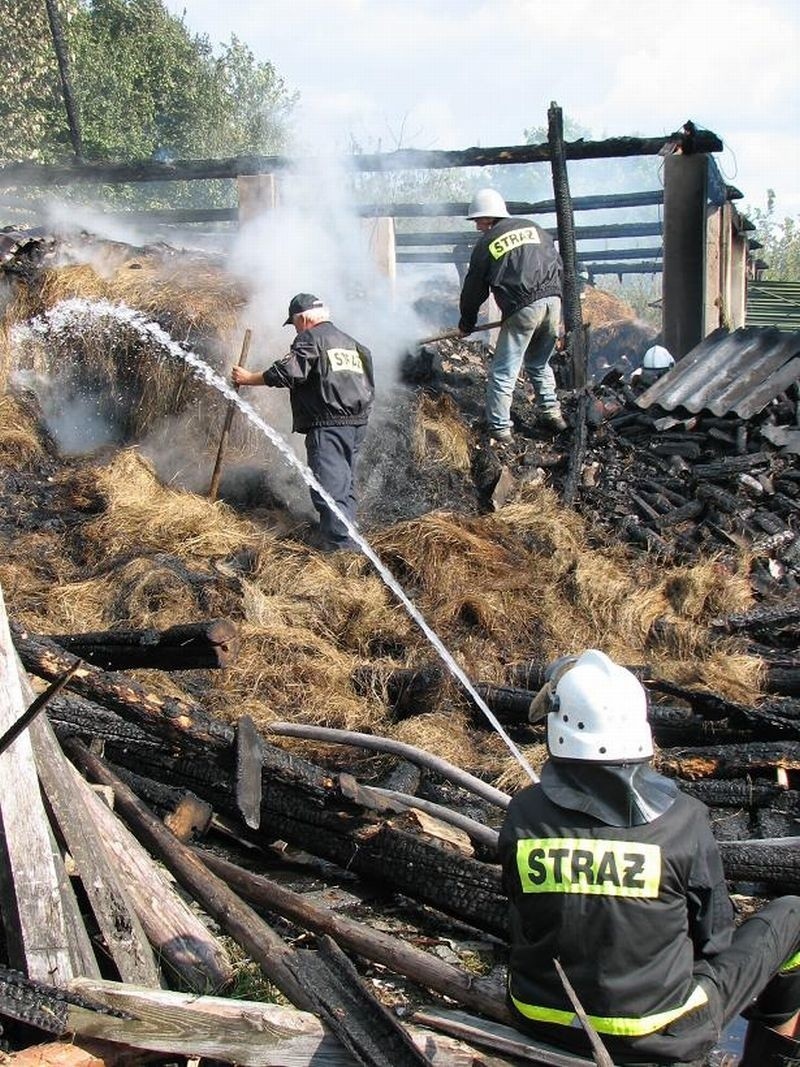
[{"x": 450, "y": 74}]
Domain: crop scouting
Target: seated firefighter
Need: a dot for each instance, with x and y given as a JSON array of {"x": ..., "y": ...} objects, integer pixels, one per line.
[{"x": 613, "y": 871}]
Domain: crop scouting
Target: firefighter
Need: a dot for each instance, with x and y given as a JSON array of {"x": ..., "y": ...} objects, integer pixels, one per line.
[
  {"x": 517, "y": 262},
  {"x": 331, "y": 386},
  {"x": 613, "y": 871}
]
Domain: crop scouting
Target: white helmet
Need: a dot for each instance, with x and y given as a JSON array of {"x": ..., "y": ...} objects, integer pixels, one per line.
[
  {"x": 657, "y": 358},
  {"x": 598, "y": 712},
  {"x": 487, "y": 204}
]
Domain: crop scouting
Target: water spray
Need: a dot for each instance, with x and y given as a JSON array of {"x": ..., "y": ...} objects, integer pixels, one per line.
[{"x": 66, "y": 312}]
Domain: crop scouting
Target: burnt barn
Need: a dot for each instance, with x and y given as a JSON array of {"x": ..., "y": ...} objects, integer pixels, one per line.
[{"x": 250, "y": 791}]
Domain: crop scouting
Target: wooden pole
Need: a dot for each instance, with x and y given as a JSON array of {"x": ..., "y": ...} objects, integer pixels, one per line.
[
  {"x": 217, "y": 473},
  {"x": 573, "y": 315},
  {"x": 38, "y": 705},
  {"x": 451, "y": 334}
]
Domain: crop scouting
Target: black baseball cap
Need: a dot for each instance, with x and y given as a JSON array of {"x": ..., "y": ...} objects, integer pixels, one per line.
[{"x": 302, "y": 302}]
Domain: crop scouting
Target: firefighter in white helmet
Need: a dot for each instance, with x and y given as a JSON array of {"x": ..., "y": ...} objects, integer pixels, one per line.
[
  {"x": 613, "y": 871},
  {"x": 517, "y": 262},
  {"x": 656, "y": 361}
]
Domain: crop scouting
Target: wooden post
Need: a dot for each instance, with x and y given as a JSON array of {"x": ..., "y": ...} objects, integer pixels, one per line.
[
  {"x": 683, "y": 279},
  {"x": 738, "y": 276},
  {"x": 258, "y": 193},
  {"x": 726, "y": 265},
  {"x": 380, "y": 237},
  {"x": 712, "y": 317},
  {"x": 573, "y": 315},
  {"x": 226, "y": 426}
]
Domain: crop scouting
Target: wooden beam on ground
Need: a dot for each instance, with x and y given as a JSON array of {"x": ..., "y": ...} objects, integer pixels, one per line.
[
  {"x": 186, "y": 949},
  {"x": 501, "y": 1039},
  {"x": 250, "y": 1033},
  {"x": 342, "y": 1001},
  {"x": 132, "y": 701},
  {"x": 40, "y": 916},
  {"x": 268, "y": 950},
  {"x": 124, "y": 938},
  {"x": 396, "y": 954},
  {"x": 32, "y": 174},
  {"x": 209, "y": 645},
  {"x": 123, "y": 934}
]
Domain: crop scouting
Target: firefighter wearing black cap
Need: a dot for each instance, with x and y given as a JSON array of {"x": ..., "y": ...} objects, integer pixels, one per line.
[
  {"x": 331, "y": 384},
  {"x": 613, "y": 871}
]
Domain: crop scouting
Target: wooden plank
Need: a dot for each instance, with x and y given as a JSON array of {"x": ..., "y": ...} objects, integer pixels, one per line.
[
  {"x": 185, "y": 947},
  {"x": 249, "y": 761},
  {"x": 37, "y": 927},
  {"x": 238, "y": 919},
  {"x": 249, "y": 1033},
  {"x": 116, "y": 917},
  {"x": 500, "y": 1038}
]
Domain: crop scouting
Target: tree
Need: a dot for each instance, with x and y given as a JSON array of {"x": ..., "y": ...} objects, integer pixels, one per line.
[
  {"x": 780, "y": 240},
  {"x": 146, "y": 86}
]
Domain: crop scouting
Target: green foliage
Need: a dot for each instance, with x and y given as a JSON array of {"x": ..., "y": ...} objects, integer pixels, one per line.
[
  {"x": 781, "y": 241},
  {"x": 145, "y": 86}
]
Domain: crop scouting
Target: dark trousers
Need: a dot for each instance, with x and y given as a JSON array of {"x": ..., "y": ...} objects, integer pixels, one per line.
[
  {"x": 745, "y": 978},
  {"x": 332, "y": 453}
]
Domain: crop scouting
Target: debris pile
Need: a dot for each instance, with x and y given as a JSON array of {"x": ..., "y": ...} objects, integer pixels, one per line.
[{"x": 241, "y": 644}]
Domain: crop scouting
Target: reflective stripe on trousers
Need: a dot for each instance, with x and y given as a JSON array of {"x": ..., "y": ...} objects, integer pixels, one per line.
[{"x": 622, "y": 1027}]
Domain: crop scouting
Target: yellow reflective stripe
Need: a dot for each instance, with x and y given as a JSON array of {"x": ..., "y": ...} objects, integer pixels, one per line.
[
  {"x": 622, "y": 1027},
  {"x": 791, "y": 964},
  {"x": 589, "y": 866},
  {"x": 345, "y": 359},
  {"x": 526, "y": 235}
]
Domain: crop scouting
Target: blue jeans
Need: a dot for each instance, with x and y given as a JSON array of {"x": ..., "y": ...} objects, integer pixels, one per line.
[{"x": 529, "y": 336}]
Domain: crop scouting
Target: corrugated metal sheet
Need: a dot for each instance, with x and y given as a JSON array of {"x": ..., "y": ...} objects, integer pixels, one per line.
[
  {"x": 774, "y": 304},
  {"x": 730, "y": 372}
]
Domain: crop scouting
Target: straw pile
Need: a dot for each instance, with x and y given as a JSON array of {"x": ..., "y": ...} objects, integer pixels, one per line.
[{"x": 526, "y": 583}]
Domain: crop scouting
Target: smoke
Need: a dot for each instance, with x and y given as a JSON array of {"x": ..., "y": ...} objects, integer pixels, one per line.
[{"x": 314, "y": 241}]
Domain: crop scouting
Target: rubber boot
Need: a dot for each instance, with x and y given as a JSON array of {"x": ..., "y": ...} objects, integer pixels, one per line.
[{"x": 767, "y": 1048}]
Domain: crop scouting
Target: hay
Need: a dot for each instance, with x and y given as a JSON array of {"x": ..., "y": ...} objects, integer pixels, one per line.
[
  {"x": 440, "y": 435},
  {"x": 142, "y": 512},
  {"x": 20, "y": 439},
  {"x": 292, "y": 674}
]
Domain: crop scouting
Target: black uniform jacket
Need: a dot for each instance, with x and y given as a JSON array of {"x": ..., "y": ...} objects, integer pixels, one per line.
[
  {"x": 629, "y": 911},
  {"x": 330, "y": 376},
  {"x": 518, "y": 261}
]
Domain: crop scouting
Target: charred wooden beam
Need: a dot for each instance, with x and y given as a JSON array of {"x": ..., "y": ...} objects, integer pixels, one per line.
[
  {"x": 190, "y": 646},
  {"x": 30, "y": 174},
  {"x": 397, "y": 954},
  {"x": 577, "y": 448},
  {"x": 749, "y": 795},
  {"x": 43, "y": 1005},
  {"x": 301, "y": 805},
  {"x": 730, "y": 761},
  {"x": 178, "y": 717},
  {"x": 730, "y": 466},
  {"x": 775, "y": 865},
  {"x": 363, "y": 1025}
]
